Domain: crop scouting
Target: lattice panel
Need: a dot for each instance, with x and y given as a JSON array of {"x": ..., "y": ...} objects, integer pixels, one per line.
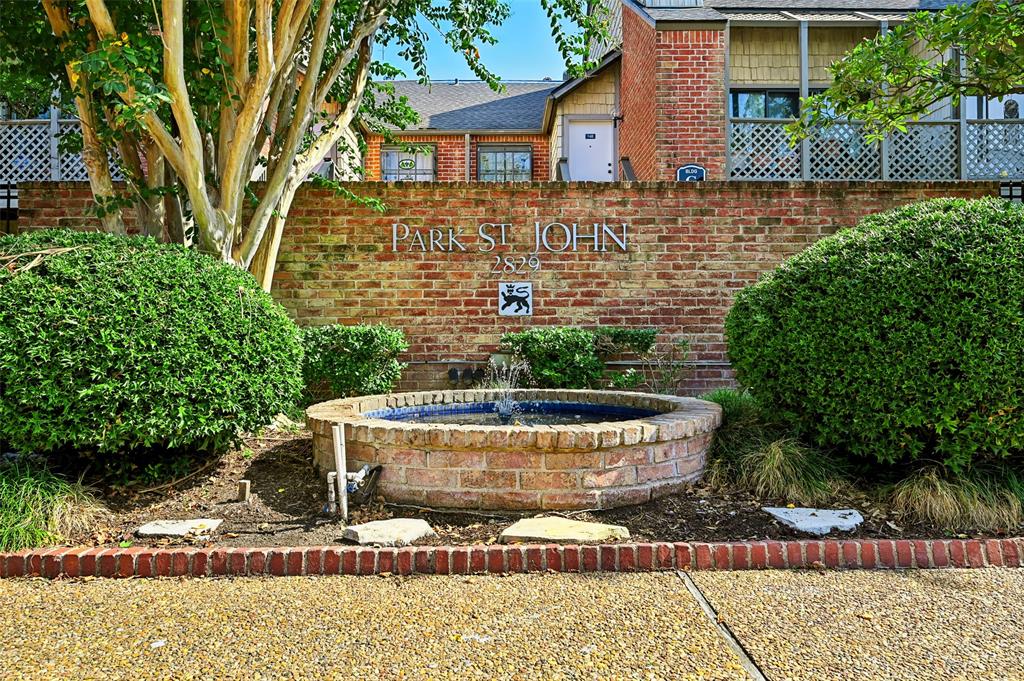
[
  {"x": 995, "y": 150},
  {"x": 71, "y": 166},
  {"x": 841, "y": 153},
  {"x": 925, "y": 152},
  {"x": 24, "y": 152},
  {"x": 761, "y": 151}
]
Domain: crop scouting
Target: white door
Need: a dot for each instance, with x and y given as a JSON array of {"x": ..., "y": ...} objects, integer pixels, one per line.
[{"x": 591, "y": 150}]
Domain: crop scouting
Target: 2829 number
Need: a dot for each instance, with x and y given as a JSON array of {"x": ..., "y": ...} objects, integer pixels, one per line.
[{"x": 513, "y": 265}]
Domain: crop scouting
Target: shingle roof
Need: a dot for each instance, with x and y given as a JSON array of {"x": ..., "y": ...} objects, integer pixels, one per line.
[{"x": 473, "y": 105}]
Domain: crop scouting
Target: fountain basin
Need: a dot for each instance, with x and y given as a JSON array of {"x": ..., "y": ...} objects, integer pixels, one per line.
[{"x": 636, "y": 447}]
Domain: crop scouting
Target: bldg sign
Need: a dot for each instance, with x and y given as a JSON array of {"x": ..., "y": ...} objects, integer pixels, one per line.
[{"x": 691, "y": 173}]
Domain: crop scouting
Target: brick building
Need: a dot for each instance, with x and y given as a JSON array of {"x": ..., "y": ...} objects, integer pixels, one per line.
[
  {"x": 466, "y": 132},
  {"x": 708, "y": 83}
]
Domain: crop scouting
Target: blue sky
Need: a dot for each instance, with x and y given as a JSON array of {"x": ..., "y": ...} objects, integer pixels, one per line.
[{"x": 525, "y": 50}]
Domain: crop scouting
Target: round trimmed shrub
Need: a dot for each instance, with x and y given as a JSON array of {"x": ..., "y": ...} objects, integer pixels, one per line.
[
  {"x": 346, "y": 361},
  {"x": 900, "y": 339},
  {"x": 113, "y": 344}
]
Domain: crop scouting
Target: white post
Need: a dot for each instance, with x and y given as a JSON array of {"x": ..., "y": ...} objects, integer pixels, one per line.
[
  {"x": 805, "y": 144},
  {"x": 962, "y": 128},
  {"x": 883, "y": 28},
  {"x": 341, "y": 468},
  {"x": 54, "y": 138}
]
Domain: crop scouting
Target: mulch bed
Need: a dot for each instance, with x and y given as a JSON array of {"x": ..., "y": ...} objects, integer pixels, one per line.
[{"x": 287, "y": 508}]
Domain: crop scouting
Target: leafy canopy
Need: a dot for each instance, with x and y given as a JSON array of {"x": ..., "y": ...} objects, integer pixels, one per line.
[
  {"x": 195, "y": 99},
  {"x": 901, "y": 75}
]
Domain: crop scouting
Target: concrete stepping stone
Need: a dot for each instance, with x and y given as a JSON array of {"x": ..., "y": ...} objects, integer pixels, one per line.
[
  {"x": 818, "y": 521},
  {"x": 394, "y": 532},
  {"x": 179, "y": 528},
  {"x": 560, "y": 530}
]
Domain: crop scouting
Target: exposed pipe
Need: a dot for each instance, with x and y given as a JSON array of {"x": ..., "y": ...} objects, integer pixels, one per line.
[{"x": 341, "y": 469}]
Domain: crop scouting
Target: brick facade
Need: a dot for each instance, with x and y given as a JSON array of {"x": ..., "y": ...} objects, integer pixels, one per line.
[
  {"x": 673, "y": 98},
  {"x": 450, "y": 154},
  {"x": 638, "y": 101},
  {"x": 691, "y": 246},
  {"x": 691, "y": 123}
]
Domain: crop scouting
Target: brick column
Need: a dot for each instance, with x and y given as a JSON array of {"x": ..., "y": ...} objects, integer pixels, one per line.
[
  {"x": 691, "y": 102},
  {"x": 673, "y": 97}
]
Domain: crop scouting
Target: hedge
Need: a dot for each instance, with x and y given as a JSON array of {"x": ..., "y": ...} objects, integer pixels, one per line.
[
  {"x": 897, "y": 340},
  {"x": 111, "y": 344}
]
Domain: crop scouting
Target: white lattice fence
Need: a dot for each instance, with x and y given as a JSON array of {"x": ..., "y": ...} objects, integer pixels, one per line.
[
  {"x": 760, "y": 150},
  {"x": 926, "y": 151},
  {"x": 841, "y": 152},
  {"x": 29, "y": 153},
  {"x": 24, "y": 151},
  {"x": 995, "y": 150}
]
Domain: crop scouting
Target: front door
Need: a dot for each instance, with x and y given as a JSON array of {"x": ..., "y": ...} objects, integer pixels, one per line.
[{"x": 591, "y": 150}]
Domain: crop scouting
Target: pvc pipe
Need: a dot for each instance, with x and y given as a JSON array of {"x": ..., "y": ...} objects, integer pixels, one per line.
[
  {"x": 341, "y": 468},
  {"x": 332, "y": 502}
]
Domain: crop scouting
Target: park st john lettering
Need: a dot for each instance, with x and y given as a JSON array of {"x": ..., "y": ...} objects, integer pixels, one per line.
[{"x": 552, "y": 237}]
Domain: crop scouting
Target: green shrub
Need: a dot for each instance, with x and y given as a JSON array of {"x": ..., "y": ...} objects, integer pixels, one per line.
[
  {"x": 754, "y": 452},
  {"x": 573, "y": 358},
  {"x": 38, "y": 507},
  {"x": 352, "y": 360},
  {"x": 898, "y": 340},
  {"x": 111, "y": 345}
]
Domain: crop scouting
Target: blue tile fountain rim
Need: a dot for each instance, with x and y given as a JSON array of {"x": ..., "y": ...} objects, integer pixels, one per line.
[{"x": 526, "y": 407}]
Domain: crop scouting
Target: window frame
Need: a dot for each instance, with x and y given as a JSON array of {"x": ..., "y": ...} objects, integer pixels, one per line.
[
  {"x": 766, "y": 92},
  {"x": 417, "y": 148},
  {"x": 506, "y": 148}
]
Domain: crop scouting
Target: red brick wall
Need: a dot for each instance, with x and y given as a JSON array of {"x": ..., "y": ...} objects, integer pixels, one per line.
[
  {"x": 673, "y": 99},
  {"x": 691, "y": 247},
  {"x": 691, "y": 102},
  {"x": 638, "y": 94},
  {"x": 451, "y": 154}
]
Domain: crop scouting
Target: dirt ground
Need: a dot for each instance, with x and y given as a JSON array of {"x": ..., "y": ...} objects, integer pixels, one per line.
[{"x": 287, "y": 507}]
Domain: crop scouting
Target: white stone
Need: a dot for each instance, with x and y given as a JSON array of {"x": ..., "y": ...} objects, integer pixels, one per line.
[
  {"x": 819, "y": 521},
  {"x": 179, "y": 528},
  {"x": 394, "y": 532},
  {"x": 560, "y": 530}
]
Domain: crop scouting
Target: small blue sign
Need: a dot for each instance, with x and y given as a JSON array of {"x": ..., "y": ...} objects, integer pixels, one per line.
[{"x": 691, "y": 173}]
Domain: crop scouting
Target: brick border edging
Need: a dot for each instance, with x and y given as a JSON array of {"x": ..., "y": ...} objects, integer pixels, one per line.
[{"x": 502, "y": 559}]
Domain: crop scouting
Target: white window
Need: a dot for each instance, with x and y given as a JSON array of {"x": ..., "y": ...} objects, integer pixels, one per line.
[
  {"x": 398, "y": 164},
  {"x": 504, "y": 163}
]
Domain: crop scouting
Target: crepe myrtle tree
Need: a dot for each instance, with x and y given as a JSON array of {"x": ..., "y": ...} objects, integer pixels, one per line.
[
  {"x": 194, "y": 98},
  {"x": 901, "y": 75}
]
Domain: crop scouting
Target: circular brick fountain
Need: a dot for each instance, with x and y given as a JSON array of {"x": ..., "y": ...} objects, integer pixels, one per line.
[{"x": 655, "y": 445}]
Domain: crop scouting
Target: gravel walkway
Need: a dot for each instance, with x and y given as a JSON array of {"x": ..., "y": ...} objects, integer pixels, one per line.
[
  {"x": 539, "y": 626},
  {"x": 921, "y": 625},
  {"x": 949, "y": 624}
]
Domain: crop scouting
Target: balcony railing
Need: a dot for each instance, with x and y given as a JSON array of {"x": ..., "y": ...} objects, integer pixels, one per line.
[{"x": 760, "y": 149}]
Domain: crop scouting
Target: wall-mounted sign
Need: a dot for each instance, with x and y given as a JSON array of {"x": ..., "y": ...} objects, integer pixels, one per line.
[
  {"x": 515, "y": 299},
  {"x": 498, "y": 240},
  {"x": 691, "y": 173},
  {"x": 553, "y": 237},
  {"x": 407, "y": 163}
]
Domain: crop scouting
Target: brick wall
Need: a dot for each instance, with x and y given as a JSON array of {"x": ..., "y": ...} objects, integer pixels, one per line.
[
  {"x": 691, "y": 102},
  {"x": 451, "y": 154},
  {"x": 673, "y": 99},
  {"x": 691, "y": 246},
  {"x": 638, "y": 94}
]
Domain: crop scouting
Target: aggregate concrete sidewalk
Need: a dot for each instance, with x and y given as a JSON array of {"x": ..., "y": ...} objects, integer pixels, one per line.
[{"x": 835, "y": 625}]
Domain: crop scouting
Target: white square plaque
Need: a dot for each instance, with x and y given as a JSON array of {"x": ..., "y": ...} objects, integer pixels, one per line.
[{"x": 515, "y": 298}]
